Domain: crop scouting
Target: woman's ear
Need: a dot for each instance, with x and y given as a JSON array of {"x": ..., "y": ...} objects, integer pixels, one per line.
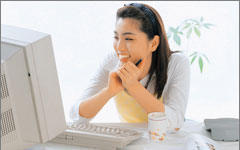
[{"x": 155, "y": 43}]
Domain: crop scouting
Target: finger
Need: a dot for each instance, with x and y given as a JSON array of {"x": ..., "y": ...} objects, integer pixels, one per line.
[
  {"x": 121, "y": 75},
  {"x": 124, "y": 72},
  {"x": 113, "y": 75},
  {"x": 135, "y": 69},
  {"x": 121, "y": 64},
  {"x": 133, "y": 66},
  {"x": 129, "y": 68}
]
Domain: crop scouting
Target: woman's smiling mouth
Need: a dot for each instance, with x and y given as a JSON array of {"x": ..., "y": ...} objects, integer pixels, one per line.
[{"x": 124, "y": 57}]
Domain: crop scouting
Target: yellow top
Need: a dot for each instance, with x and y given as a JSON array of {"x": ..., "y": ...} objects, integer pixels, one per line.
[{"x": 129, "y": 110}]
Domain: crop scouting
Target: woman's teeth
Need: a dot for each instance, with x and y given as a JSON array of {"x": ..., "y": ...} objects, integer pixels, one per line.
[{"x": 123, "y": 56}]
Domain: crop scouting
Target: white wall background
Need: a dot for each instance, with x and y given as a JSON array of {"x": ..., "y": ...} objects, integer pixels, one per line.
[{"x": 82, "y": 34}]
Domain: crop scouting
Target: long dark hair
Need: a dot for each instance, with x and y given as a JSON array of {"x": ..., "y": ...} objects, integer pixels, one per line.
[{"x": 161, "y": 55}]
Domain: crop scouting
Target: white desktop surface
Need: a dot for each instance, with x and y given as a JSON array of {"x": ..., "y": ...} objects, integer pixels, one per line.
[{"x": 174, "y": 141}]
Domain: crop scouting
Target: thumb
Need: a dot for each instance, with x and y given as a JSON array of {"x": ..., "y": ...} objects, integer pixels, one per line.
[{"x": 113, "y": 74}]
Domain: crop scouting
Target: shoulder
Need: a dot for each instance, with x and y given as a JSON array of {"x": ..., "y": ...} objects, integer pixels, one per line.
[
  {"x": 178, "y": 59},
  {"x": 178, "y": 62}
]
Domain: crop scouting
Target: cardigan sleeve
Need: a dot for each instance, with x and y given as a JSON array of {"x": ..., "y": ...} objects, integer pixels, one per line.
[
  {"x": 177, "y": 91},
  {"x": 97, "y": 82}
]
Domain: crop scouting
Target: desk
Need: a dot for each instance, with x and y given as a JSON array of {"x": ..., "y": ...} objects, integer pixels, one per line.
[{"x": 174, "y": 142}]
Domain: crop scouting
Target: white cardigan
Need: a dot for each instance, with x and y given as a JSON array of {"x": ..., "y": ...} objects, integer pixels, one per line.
[{"x": 175, "y": 93}]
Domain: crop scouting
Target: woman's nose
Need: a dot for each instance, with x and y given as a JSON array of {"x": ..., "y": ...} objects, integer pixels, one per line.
[{"x": 120, "y": 46}]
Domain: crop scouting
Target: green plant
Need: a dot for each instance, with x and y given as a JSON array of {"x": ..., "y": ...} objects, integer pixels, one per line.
[{"x": 185, "y": 30}]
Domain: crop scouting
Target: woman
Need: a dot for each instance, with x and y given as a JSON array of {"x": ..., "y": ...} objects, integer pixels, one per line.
[{"x": 160, "y": 83}]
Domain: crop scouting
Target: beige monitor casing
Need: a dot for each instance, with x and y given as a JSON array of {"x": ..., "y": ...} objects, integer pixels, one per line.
[{"x": 31, "y": 104}]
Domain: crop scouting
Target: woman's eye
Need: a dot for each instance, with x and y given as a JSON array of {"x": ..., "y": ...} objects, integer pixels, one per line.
[{"x": 129, "y": 39}]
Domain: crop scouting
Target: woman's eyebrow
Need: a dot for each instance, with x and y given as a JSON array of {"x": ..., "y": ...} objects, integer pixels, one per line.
[{"x": 125, "y": 33}]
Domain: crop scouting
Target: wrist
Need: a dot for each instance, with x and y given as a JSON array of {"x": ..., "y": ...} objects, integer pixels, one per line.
[
  {"x": 133, "y": 87},
  {"x": 109, "y": 92}
]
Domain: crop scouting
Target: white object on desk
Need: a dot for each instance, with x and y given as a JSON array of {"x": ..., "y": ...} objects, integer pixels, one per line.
[
  {"x": 157, "y": 126},
  {"x": 97, "y": 136},
  {"x": 173, "y": 142},
  {"x": 200, "y": 142}
]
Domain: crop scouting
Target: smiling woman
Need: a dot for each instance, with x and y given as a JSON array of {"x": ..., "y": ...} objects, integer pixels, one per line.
[
  {"x": 160, "y": 83},
  {"x": 81, "y": 39}
]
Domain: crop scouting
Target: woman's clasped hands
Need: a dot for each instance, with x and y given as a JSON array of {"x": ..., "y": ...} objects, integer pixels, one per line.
[{"x": 129, "y": 74}]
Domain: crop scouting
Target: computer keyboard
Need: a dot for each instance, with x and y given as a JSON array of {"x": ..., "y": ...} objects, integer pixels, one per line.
[
  {"x": 97, "y": 136},
  {"x": 103, "y": 130}
]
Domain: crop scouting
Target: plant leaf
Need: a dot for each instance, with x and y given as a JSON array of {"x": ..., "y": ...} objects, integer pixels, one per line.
[
  {"x": 189, "y": 33},
  {"x": 206, "y": 25},
  {"x": 206, "y": 58},
  {"x": 177, "y": 39},
  {"x": 209, "y": 24},
  {"x": 194, "y": 20},
  {"x": 177, "y": 28},
  {"x": 180, "y": 33},
  {"x": 186, "y": 26},
  {"x": 197, "y": 31},
  {"x": 172, "y": 29},
  {"x": 200, "y": 62},
  {"x": 193, "y": 58},
  {"x": 194, "y": 53},
  {"x": 168, "y": 35},
  {"x": 201, "y": 19}
]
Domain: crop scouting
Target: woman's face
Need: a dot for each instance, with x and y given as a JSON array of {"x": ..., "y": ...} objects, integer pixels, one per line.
[{"x": 130, "y": 43}]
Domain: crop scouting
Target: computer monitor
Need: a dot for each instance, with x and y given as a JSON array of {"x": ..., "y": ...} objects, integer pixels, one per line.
[{"x": 31, "y": 104}]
